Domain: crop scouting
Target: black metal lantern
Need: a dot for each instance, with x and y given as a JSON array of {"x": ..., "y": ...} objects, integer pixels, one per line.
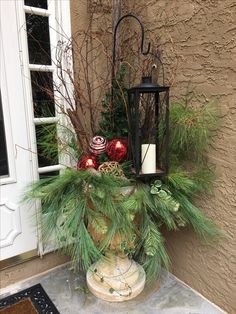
[
  {"x": 148, "y": 115},
  {"x": 148, "y": 120}
]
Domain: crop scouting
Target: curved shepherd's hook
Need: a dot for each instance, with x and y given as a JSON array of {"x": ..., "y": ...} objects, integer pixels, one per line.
[{"x": 114, "y": 43}]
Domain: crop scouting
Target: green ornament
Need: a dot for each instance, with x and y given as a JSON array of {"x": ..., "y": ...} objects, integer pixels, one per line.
[
  {"x": 154, "y": 190},
  {"x": 157, "y": 183},
  {"x": 155, "y": 187},
  {"x": 162, "y": 194}
]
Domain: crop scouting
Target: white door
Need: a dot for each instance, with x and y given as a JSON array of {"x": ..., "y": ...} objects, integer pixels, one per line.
[
  {"x": 30, "y": 30},
  {"x": 18, "y": 222}
]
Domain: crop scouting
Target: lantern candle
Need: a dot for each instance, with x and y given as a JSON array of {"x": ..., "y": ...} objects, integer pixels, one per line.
[{"x": 148, "y": 158}]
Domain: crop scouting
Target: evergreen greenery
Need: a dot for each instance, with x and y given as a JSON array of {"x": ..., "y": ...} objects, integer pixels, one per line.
[
  {"x": 192, "y": 128},
  {"x": 113, "y": 123},
  {"x": 77, "y": 200},
  {"x": 55, "y": 139}
]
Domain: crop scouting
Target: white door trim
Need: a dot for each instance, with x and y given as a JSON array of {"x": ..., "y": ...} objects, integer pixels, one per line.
[
  {"x": 59, "y": 19},
  {"x": 17, "y": 234},
  {"x": 6, "y": 116}
]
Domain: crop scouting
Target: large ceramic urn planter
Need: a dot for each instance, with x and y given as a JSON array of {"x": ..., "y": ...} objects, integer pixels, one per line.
[{"x": 115, "y": 277}]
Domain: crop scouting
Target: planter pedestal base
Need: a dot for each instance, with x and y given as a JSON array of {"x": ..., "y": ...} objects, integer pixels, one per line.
[{"x": 116, "y": 278}]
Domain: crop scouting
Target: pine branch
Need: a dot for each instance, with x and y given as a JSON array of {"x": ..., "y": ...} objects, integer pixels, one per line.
[{"x": 192, "y": 128}]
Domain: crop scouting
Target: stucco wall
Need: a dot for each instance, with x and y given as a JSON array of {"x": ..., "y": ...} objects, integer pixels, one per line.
[
  {"x": 91, "y": 31},
  {"x": 198, "y": 43}
]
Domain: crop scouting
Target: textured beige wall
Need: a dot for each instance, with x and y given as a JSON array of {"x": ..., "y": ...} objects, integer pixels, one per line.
[
  {"x": 198, "y": 43},
  {"x": 91, "y": 31}
]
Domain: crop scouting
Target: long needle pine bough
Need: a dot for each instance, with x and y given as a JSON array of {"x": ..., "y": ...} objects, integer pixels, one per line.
[{"x": 77, "y": 202}]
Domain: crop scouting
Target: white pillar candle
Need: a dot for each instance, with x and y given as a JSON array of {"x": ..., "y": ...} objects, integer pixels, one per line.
[{"x": 148, "y": 158}]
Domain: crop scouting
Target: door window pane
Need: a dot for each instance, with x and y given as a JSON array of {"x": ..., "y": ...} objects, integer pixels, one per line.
[
  {"x": 47, "y": 148},
  {"x": 49, "y": 174},
  {"x": 38, "y": 39},
  {"x": 4, "y": 171},
  {"x": 42, "y": 4},
  {"x": 42, "y": 92}
]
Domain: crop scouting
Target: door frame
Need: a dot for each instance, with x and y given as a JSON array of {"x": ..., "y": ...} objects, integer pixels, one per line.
[
  {"x": 61, "y": 22},
  {"x": 11, "y": 178},
  {"x": 18, "y": 225},
  {"x": 60, "y": 10}
]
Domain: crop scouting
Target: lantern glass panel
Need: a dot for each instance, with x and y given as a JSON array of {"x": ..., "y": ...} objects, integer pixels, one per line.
[
  {"x": 149, "y": 130},
  {"x": 147, "y": 121},
  {"x": 162, "y": 140}
]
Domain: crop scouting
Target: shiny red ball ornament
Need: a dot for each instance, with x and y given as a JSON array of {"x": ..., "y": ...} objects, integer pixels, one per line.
[
  {"x": 87, "y": 162},
  {"x": 117, "y": 149}
]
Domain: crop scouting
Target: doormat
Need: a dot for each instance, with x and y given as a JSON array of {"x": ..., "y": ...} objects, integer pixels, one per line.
[{"x": 33, "y": 300}]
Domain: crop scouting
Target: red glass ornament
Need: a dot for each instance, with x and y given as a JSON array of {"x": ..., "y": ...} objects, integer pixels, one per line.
[
  {"x": 87, "y": 162},
  {"x": 117, "y": 149}
]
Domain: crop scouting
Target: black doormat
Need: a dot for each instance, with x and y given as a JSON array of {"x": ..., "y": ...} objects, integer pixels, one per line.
[{"x": 30, "y": 300}]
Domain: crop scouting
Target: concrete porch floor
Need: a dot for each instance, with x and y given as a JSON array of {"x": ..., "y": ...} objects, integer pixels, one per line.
[{"x": 70, "y": 295}]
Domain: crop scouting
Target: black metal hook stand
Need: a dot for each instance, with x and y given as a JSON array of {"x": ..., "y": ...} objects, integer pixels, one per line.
[{"x": 114, "y": 45}]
